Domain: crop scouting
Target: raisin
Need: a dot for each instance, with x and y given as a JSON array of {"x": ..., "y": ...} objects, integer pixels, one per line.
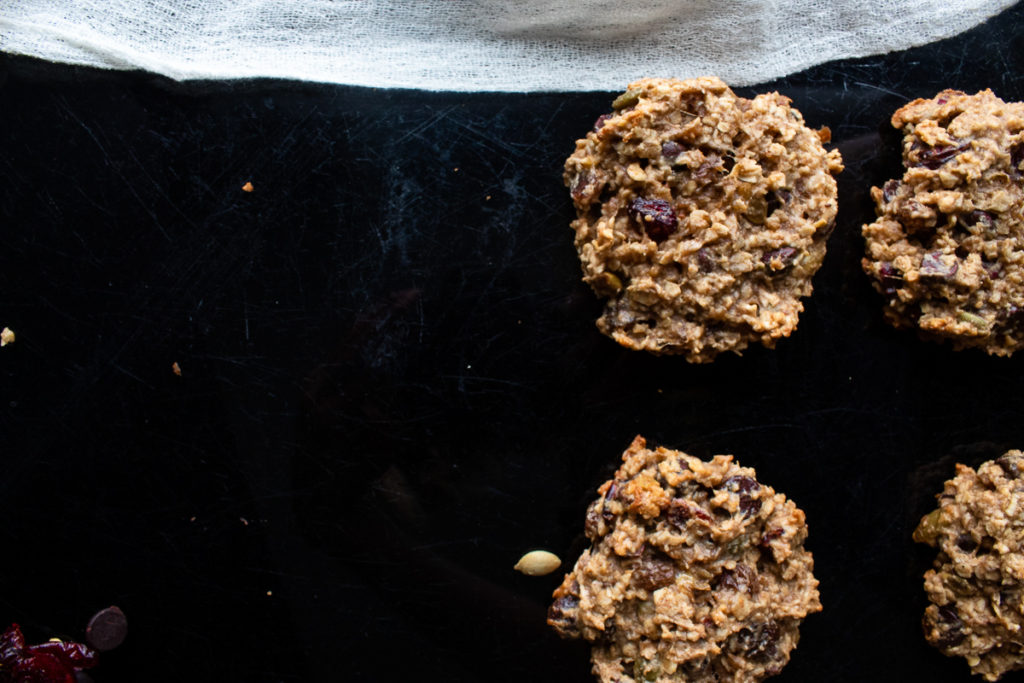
[
  {"x": 584, "y": 187},
  {"x": 1013, "y": 465},
  {"x": 562, "y": 614},
  {"x": 594, "y": 524},
  {"x": 705, "y": 260},
  {"x": 655, "y": 216},
  {"x": 933, "y": 157},
  {"x": 670, "y": 149},
  {"x": 783, "y": 256},
  {"x": 759, "y": 643},
  {"x": 679, "y": 511},
  {"x": 933, "y": 265},
  {"x": 966, "y": 543},
  {"x": 742, "y": 579},
  {"x": 741, "y": 484},
  {"x": 950, "y": 627},
  {"x": 977, "y": 217},
  {"x": 889, "y": 190},
  {"x": 601, "y": 120},
  {"x": 915, "y": 216},
  {"x": 655, "y": 571},
  {"x": 749, "y": 506},
  {"x": 708, "y": 169},
  {"x": 1017, "y": 159}
]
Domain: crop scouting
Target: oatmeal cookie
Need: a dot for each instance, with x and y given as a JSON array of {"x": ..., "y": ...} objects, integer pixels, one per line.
[
  {"x": 976, "y": 587},
  {"x": 696, "y": 572},
  {"x": 701, "y": 216},
  {"x": 947, "y": 249}
]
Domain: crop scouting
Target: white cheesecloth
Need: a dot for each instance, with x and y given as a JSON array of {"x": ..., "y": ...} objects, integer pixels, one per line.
[{"x": 471, "y": 45}]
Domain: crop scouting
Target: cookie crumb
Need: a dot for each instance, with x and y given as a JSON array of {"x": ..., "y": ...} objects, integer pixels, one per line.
[
  {"x": 247, "y": 187},
  {"x": 176, "y": 369},
  {"x": 6, "y": 336}
]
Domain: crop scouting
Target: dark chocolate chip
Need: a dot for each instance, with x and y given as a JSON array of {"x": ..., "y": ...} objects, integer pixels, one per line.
[{"x": 107, "y": 629}]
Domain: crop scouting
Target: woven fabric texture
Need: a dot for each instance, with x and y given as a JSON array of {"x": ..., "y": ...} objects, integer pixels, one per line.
[{"x": 474, "y": 45}]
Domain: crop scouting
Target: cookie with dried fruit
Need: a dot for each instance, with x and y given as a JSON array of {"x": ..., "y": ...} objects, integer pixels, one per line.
[
  {"x": 696, "y": 572},
  {"x": 701, "y": 216},
  {"x": 947, "y": 248},
  {"x": 976, "y": 585}
]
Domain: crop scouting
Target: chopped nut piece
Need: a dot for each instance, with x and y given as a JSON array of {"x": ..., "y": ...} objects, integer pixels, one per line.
[
  {"x": 6, "y": 336},
  {"x": 247, "y": 187}
]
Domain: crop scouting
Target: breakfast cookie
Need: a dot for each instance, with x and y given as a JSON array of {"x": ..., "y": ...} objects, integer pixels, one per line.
[
  {"x": 701, "y": 216},
  {"x": 696, "y": 572},
  {"x": 976, "y": 587},
  {"x": 947, "y": 249}
]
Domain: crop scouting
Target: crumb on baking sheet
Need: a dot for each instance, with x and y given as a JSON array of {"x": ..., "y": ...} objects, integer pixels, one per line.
[
  {"x": 247, "y": 187},
  {"x": 176, "y": 369},
  {"x": 6, "y": 336}
]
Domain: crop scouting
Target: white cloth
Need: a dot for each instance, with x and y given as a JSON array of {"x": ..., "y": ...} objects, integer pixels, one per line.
[{"x": 503, "y": 45}]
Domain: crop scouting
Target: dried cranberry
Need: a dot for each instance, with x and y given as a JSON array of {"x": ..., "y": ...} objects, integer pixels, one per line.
[
  {"x": 784, "y": 255},
  {"x": 890, "y": 278},
  {"x": 889, "y": 190},
  {"x": 769, "y": 536},
  {"x": 655, "y": 571},
  {"x": 655, "y": 216},
  {"x": 52, "y": 662},
  {"x": 933, "y": 157},
  {"x": 932, "y": 265},
  {"x": 601, "y": 120},
  {"x": 670, "y": 149}
]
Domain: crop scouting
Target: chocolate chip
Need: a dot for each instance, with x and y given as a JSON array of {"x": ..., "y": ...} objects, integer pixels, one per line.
[{"x": 107, "y": 629}]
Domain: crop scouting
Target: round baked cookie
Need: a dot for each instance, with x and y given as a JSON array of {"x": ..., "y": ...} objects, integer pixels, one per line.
[
  {"x": 701, "y": 216},
  {"x": 947, "y": 249},
  {"x": 976, "y": 586},
  {"x": 696, "y": 572}
]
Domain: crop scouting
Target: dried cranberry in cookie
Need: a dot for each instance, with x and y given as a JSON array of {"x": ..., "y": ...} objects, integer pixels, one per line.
[
  {"x": 701, "y": 216},
  {"x": 696, "y": 572}
]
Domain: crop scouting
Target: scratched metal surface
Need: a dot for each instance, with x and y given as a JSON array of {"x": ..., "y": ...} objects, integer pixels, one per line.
[{"x": 391, "y": 385}]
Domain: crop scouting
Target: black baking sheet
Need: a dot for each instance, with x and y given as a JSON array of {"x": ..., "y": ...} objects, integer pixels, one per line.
[{"x": 391, "y": 384}]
